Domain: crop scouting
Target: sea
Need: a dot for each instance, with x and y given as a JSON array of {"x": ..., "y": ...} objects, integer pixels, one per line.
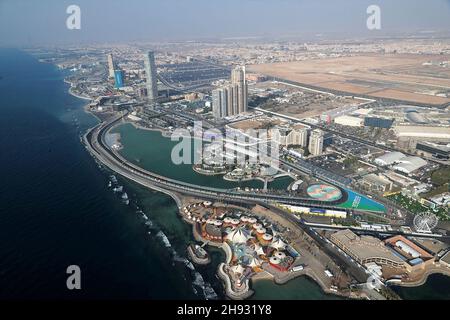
[
  {"x": 59, "y": 208},
  {"x": 56, "y": 209}
]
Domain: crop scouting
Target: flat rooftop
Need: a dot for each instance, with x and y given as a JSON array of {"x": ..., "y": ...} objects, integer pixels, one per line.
[
  {"x": 365, "y": 247},
  {"x": 422, "y": 253},
  {"x": 446, "y": 257}
]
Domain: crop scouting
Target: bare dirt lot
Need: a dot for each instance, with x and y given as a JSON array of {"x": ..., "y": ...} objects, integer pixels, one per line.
[
  {"x": 413, "y": 78},
  {"x": 303, "y": 103},
  {"x": 256, "y": 123}
]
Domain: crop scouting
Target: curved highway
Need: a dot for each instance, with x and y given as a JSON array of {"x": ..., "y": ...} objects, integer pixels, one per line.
[{"x": 94, "y": 140}]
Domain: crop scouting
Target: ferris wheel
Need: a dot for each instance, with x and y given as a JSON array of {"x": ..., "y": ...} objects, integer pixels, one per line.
[{"x": 425, "y": 222}]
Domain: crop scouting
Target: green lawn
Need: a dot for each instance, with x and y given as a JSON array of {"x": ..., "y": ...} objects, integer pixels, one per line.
[{"x": 416, "y": 207}]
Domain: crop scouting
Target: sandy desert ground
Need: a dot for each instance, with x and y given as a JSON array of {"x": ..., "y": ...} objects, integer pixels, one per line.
[{"x": 394, "y": 76}]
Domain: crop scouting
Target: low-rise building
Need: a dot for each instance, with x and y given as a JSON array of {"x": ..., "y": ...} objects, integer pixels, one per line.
[
  {"x": 295, "y": 136},
  {"x": 445, "y": 259},
  {"x": 442, "y": 199},
  {"x": 412, "y": 254},
  {"x": 378, "y": 122},
  {"x": 400, "y": 162},
  {"x": 349, "y": 121},
  {"x": 366, "y": 249},
  {"x": 378, "y": 183},
  {"x": 410, "y": 164},
  {"x": 429, "y": 149},
  {"x": 409, "y": 136},
  {"x": 389, "y": 158}
]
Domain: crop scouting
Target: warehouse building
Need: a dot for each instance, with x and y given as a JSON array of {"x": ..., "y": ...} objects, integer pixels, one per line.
[
  {"x": 378, "y": 122},
  {"x": 389, "y": 158},
  {"x": 400, "y": 162},
  {"x": 349, "y": 121},
  {"x": 429, "y": 149},
  {"x": 409, "y": 164},
  {"x": 378, "y": 183},
  {"x": 366, "y": 249}
]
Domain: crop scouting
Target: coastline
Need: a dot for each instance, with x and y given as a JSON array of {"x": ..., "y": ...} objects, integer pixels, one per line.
[
  {"x": 86, "y": 106},
  {"x": 175, "y": 196},
  {"x": 264, "y": 275},
  {"x": 424, "y": 278},
  {"x": 249, "y": 293},
  {"x": 178, "y": 199},
  {"x": 77, "y": 208},
  {"x": 70, "y": 91}
]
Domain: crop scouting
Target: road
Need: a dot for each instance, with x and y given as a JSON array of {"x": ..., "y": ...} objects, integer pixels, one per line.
[
  {"x": 342, "y": 134},
  {"x": 94, "y": 140},
  {"x": 375, "y": 233},
  {"x": 95, "y": 143},
  {"x": 338, "y": 256}
]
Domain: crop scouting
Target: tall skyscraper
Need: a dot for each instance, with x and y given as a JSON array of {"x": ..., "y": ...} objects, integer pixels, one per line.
[
  {"x": 111, "y": 66},
  {"x": 217, "y": 103},
  {"x": 220, "y": 99},
  {"x": 118, "y": 78},
  {"x": 150, "y": 72},
  {"x": 316, "y": 142},
  {"x": 233, "y": 97},
  {"x": 240, "y": 86}
]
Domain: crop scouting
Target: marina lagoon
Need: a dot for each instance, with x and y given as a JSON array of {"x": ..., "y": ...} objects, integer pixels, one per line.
[{"x": 152, "y": 151}]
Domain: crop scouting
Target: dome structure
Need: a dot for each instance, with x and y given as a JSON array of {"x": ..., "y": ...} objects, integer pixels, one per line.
[
  {"x": 261, "y": 230},
  {"x": 252, "y": 220},
  {"x": 254, "y": 262},
  {"x": 274, "y": 260},
  {"x": 259, "y": 250},
  {"x": 267, "y": 237},
  {"x": 278, "y": 244},
  {"x": 235, "y": 221},
  {"x": 239, "y": 235}
]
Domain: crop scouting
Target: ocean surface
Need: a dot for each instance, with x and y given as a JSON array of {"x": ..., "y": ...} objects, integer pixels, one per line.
[{"x": 57, "y": 208}]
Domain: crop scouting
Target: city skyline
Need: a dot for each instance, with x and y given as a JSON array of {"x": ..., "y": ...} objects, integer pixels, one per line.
[
  {"x": 200, "y": 19},
  {"x": 225, "y": 150}
]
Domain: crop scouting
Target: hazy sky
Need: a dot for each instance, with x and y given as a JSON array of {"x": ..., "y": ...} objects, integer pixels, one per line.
[{"x": 30, "y": 22}]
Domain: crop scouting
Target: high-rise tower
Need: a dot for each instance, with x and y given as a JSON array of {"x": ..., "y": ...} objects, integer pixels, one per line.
[
  {"x": 118, "y": 78},
  {"x": 240, "y": 86},
  {"x": 234, "y": 95},
  {"x": 220, "y": 98},
  {"x": 111, "y": 66},
  {"x": 316, "y": 142},
  {"x": 150, "y": 71}
]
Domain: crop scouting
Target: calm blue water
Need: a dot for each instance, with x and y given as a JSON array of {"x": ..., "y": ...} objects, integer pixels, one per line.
[{"x": 56, "y": 209}]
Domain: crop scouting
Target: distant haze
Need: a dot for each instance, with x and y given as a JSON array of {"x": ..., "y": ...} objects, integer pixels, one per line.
[{"x": 30, "y": 22}]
